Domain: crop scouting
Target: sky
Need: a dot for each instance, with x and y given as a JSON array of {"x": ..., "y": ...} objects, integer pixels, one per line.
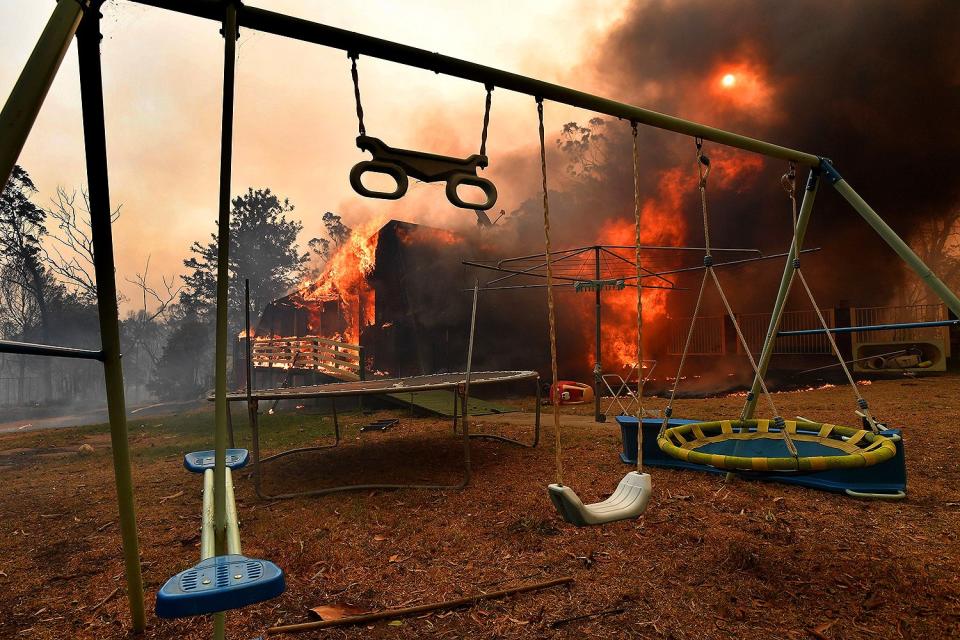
[{"x": 295, "y": 121}]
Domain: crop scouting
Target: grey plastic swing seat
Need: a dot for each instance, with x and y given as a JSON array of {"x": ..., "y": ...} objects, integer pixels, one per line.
[{"x": 628, "y": 501}]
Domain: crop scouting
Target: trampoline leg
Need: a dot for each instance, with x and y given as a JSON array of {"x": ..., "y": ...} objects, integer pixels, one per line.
[
  {"x": 253, "y": 410},
  {"x": 230, "y": 436},
  {"x": 536, "y": 421},
  {"x": 336, "y": 420},
  {"x": 455, "y": 396},
  {"x": 466, "y": 444}
]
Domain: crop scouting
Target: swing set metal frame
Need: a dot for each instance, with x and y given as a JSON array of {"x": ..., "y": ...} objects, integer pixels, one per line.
[{"x": 81, "y": 18}]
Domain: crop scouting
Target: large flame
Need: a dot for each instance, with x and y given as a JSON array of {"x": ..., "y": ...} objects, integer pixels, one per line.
[
  {"x": 344, "y": 280},
  {"x": 663, "y": 223}
]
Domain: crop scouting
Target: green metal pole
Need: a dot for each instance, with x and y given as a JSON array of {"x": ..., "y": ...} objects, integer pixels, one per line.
[
  {"x": 803, "y": 219},
  {"x": 891, "y": 238},
  {"x": 95, "y": 147},
  {"x": 223, "y": 275},
  {"x": 22, "y": 106},
  {"x": 223, "y": 282}
]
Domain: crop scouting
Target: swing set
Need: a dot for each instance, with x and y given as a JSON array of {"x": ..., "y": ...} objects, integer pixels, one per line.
[{"x": 259, "y": 579}]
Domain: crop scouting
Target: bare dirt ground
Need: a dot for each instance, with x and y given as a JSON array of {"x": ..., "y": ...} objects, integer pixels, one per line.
[{"x": 709, "y": 560}]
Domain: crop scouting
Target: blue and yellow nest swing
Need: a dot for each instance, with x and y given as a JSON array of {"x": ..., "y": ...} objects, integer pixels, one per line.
[{"x": 775, "y": 448}]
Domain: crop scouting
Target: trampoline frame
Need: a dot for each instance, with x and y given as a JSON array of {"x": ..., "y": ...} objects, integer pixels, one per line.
[{"x": 332, "y": 391}]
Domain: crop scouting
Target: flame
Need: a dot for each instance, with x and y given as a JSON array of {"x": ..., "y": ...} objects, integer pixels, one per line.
[
  {"x": 663, "y": 218},
  {"x": 344, "y": 281}
]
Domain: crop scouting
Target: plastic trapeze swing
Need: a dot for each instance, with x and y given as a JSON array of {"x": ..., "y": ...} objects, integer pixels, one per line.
[
  {"x": 632, "y": 494},
  {"x": 775, "y": 445}
]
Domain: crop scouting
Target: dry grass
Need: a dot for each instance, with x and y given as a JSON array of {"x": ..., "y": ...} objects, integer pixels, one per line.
[{"x": 709, "y": 560}]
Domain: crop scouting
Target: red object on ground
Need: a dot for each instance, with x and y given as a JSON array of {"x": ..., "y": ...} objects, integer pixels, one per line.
[{"x": 570, "y": 392}]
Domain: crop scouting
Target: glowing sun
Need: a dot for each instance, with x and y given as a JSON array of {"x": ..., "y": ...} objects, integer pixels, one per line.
[{"x": 728, "y": 80}]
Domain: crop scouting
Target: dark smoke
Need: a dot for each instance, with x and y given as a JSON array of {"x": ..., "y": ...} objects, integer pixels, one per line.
[{"x": 875, "y": 86}]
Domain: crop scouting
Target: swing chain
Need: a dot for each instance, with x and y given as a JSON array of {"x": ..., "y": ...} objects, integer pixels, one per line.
[
  {"x": 637, "y": 215},
  {"x": 551, "y": 313},
  {"x": 789, "y": 181},
  {"x": 486, "y": 120},
  {"x": 356, "y": 89}
]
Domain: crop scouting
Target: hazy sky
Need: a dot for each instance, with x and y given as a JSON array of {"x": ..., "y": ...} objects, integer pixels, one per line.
[{"x": 295, "y": 122}]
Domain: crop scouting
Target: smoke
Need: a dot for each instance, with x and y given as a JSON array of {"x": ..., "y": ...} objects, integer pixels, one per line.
[{"x": 873, "y": 86}]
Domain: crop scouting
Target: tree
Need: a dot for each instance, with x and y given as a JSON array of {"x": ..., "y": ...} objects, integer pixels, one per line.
[
  {"x": 69, "y": 249},
  {"x": 585, "y": 148},
  {"x": 183, "y": 371},
  {"x": 937, "y": 242},
  {"x": 144, "y": 331},
  {"x": 21, "y": 229},
  {"x": 263, "y": 248},
  {"x": 337, "y": 234}
]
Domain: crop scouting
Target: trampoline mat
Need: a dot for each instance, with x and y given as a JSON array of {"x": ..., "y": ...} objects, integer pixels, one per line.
[{"x": 387, "y": 385}]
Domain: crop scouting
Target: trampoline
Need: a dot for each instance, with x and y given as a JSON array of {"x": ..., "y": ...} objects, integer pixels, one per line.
[{"x": 454, "y": 382}]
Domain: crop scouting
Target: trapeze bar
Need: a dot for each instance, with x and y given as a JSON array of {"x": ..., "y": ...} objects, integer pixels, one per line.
[
  {"x": 30, "y": 349},
  {"x": 316, "y": 33},
  {"x": 868, "y": 328}
]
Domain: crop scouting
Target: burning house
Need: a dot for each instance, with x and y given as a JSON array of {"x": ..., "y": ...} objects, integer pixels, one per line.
[
  {"x": 397, "y": 300},
  {"x": 397, "y": 292}
]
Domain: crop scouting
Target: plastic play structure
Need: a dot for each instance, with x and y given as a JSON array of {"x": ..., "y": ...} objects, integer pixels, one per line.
[
  {"x": 426, "y": 167},
  {"x": 82, "y": 18},
  {"x": 219, "y": 582},
  {"x": 771, "y": 445}
]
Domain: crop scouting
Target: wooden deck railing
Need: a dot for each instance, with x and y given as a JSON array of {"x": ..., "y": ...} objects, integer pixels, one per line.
[{"x": 340, "y": 360}]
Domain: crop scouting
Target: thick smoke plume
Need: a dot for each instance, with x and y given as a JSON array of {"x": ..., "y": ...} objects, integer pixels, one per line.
[{"x": 873, "y": 86}]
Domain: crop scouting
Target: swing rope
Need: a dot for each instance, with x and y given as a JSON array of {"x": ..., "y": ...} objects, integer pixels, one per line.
[
  {"x": 789, "y": 182},
  {"x": 550, "y": 309},
  {"x": 636, "y": 217},
  {"x": 356, "y": 89},
  {"x": 703, "y": 170},
  {"x": 486, "y": 120}
]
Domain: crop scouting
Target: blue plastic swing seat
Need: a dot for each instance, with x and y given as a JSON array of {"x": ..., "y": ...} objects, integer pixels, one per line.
[
  {"x": 200, "y": 461},
  {"x": 217, "y": 584}
]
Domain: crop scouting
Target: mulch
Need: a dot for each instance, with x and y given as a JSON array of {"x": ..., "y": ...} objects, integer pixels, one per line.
[{"x": 711, "y": 559}]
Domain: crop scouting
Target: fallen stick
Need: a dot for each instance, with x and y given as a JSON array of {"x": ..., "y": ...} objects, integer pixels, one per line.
[
  {"x": 587, "y": 616},
  {"x": 433, "y": 606},
  {"x": 105, "y": 600}
]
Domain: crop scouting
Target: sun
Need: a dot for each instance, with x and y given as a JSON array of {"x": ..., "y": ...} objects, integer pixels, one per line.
[{"x": 728, "y": 80}]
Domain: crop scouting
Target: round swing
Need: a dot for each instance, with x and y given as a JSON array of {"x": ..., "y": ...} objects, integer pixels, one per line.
[
  {"x": 631, "y": 496},
  {"x": 775, "y": 445}
]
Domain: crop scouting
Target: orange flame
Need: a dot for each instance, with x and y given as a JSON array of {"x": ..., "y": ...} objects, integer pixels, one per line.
[{"x": 344, "y": 280}]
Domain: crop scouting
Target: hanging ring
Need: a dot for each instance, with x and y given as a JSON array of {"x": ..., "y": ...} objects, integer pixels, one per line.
[
  {"x": 488, "y": 188},
  {"x": 375, "y": 166}
]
